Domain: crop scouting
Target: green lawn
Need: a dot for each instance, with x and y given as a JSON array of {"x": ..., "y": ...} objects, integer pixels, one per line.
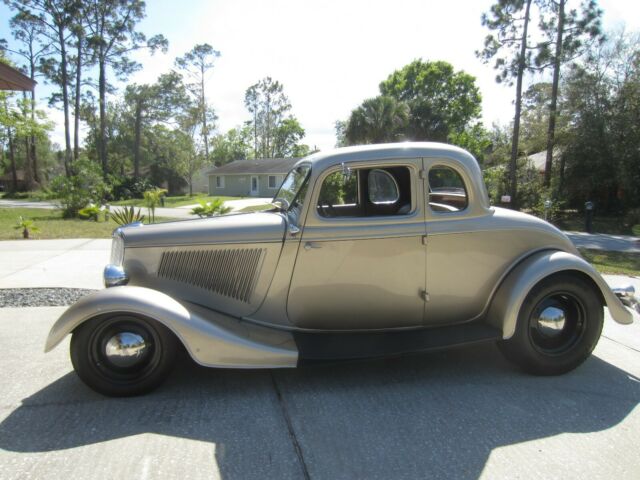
[
  {"x": 177, "y": 201},
  {"x": 52, "y": 225},
  {"x": 618, "y": 263},
  {"x": 614, "y": 225}
]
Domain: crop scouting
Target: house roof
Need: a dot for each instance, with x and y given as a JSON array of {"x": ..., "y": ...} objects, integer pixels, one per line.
[
  {"x": 7, "y": 177},
  {"x": 256, "y": 167},
  {"x": 12, "y": 79},
  {"x": 539, "y": 160}
]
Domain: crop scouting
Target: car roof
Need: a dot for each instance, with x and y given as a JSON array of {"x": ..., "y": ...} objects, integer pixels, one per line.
[
  {"x": 479, "y": 199},
  {"x": 385, "y": 151}
]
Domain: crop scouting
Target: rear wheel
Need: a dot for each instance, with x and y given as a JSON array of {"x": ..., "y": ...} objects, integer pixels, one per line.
[
  {"x": 122, "y": 355},
  {"x": 558, "y": 327}
]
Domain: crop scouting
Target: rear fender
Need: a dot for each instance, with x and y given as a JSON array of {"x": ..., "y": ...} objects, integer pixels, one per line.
[
  {"x": 211, "y": 338},
  {"x": 506, "y": 303}
]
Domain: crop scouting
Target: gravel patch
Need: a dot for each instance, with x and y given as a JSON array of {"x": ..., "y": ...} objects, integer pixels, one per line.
[{"x": 41, "y": 297}]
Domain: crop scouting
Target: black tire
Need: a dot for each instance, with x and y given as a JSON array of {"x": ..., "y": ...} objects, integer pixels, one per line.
[
  {"x": 108, "y": 365},
  {"x": 543, "y": 344}
]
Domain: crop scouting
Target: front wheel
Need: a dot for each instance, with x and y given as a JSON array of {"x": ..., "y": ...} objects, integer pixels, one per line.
[
  {"x": 558, "y": 327},
  {"x": 122, "y": 355}
]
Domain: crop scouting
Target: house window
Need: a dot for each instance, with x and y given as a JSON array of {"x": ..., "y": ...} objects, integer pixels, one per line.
[
  {"x": 273, "y": 182},
  {"x": 219, "y": 182}
]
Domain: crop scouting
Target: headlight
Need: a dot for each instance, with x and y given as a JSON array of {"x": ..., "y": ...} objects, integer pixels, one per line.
[
  {"x": 114, "y": 276},
  {"x": 117, "y": 248}
]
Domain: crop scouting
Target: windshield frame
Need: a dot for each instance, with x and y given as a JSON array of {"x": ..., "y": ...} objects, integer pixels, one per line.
[{"x": 289, "y": 203}]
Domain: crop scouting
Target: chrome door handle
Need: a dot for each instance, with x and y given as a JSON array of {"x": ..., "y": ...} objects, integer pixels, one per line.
[
  {"x": 310, "y": 245},
  {"x": 293, "y": 230}
]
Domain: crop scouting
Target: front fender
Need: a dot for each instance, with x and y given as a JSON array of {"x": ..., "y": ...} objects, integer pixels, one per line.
[
  {"x": 211, "y": 338},
  {"x": 506, "y": 303}
]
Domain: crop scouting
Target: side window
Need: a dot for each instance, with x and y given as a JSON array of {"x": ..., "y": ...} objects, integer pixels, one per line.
[
  {"x": 447, "y": 191},
  {"x": 366, "y": 192},
  {"x": 383, "y": 188}
]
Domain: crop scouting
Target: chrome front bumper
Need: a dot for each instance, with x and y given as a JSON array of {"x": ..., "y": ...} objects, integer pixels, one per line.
[{"x": 627, "y": 296}]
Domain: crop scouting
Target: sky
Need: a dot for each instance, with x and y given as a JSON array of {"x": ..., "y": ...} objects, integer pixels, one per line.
[{"x": 329, "y": 55}]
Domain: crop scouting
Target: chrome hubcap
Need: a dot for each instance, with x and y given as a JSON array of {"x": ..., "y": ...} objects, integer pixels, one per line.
[
  {"x": 551, "y": 321},
  {"x": 557, "y": 323},
  {"x": 126, "y": 349}
]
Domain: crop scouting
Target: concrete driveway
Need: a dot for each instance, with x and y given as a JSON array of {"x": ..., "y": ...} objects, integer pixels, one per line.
[
  {"x": 74, "y": 263},
  {"x": 460, "y": 414}
]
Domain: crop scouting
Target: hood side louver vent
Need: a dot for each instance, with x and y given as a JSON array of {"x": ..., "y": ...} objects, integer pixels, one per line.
[{"x": 229, "y": 272}]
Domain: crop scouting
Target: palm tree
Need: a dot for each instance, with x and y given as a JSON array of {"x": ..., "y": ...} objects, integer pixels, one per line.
[{"x": 378, "y": 120}]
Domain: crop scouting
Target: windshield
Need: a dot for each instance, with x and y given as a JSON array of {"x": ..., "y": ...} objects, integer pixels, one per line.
[{"x": 292, "y": 186}]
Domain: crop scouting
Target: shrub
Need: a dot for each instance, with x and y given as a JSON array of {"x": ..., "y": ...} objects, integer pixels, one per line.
[
  {"x": 152, "y": 199},
  {"x": 92, "y": 212},
  {"x": 27, "y": 226},
  {"x": 125, "y": 188},
  {"x": 85, "y": 186},
  {"x": 209, "y": 209},
  {"x": 127, "y": 215}
]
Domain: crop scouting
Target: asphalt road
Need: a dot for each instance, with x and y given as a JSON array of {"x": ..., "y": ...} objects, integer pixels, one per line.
[
  {"x": 460, "y": 414},
  {"x": 168, "y": 212}
]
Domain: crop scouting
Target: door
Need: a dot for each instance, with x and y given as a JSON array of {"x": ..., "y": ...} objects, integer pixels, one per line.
[
  {"x": 361, "y": 260},
  {"x": 254, "y": 186}
]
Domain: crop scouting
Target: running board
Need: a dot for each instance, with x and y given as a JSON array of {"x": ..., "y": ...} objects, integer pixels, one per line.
[{"x": 327, "y": 346}]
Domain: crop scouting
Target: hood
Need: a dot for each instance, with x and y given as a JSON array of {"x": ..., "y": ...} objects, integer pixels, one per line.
[{"x": 257, "y": 227}]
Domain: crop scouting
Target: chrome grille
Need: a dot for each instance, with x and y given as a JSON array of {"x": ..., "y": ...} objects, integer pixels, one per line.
[
  {"x": 117, "y": 249},
  {"x": 230, "y": 272}
]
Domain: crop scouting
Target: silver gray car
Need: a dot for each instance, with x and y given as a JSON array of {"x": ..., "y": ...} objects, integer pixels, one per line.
[{"x": 367, "y": 252}]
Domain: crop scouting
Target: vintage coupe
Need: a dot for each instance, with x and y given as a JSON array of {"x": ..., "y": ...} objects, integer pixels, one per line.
[{"x": 368, "y": 252}]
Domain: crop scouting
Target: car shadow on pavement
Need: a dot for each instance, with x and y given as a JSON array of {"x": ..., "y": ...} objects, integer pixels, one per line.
[{"x": 435, "y": 415}]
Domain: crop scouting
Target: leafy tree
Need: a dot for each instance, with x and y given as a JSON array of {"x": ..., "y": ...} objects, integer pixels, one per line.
[
  {"x": 231, "y": 146},
  {"x": 171, "y": 151},
  {"x": 275, "y": 130},
  {"x": 196, "y": 64},
  {"x": 55, "y": 18},
  {"x": 441, "y": 101},
  {"x": 80, "y": 60},
  {"x": 111, "y": 37},
  {"x": 286, "y": 139},
  {"x": 8, "y": 120},
  {"x": 626, "y": 122},
  {"x": 509, "y": 45},
  {"x": 340, "y": 127},
  {"x": 28, "y": 31},
  {"x": 193, "y": 157},
  {"x": 153, "y": 103},
  {"x": 19, "y": 127},
  {"x": 475, "y": 139},
  {"x": 601, "y": 151},
  {"x": 535, "y": 117},
  {"x": 377, "y": 120},
  {"x": 566, "y": 33}
]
